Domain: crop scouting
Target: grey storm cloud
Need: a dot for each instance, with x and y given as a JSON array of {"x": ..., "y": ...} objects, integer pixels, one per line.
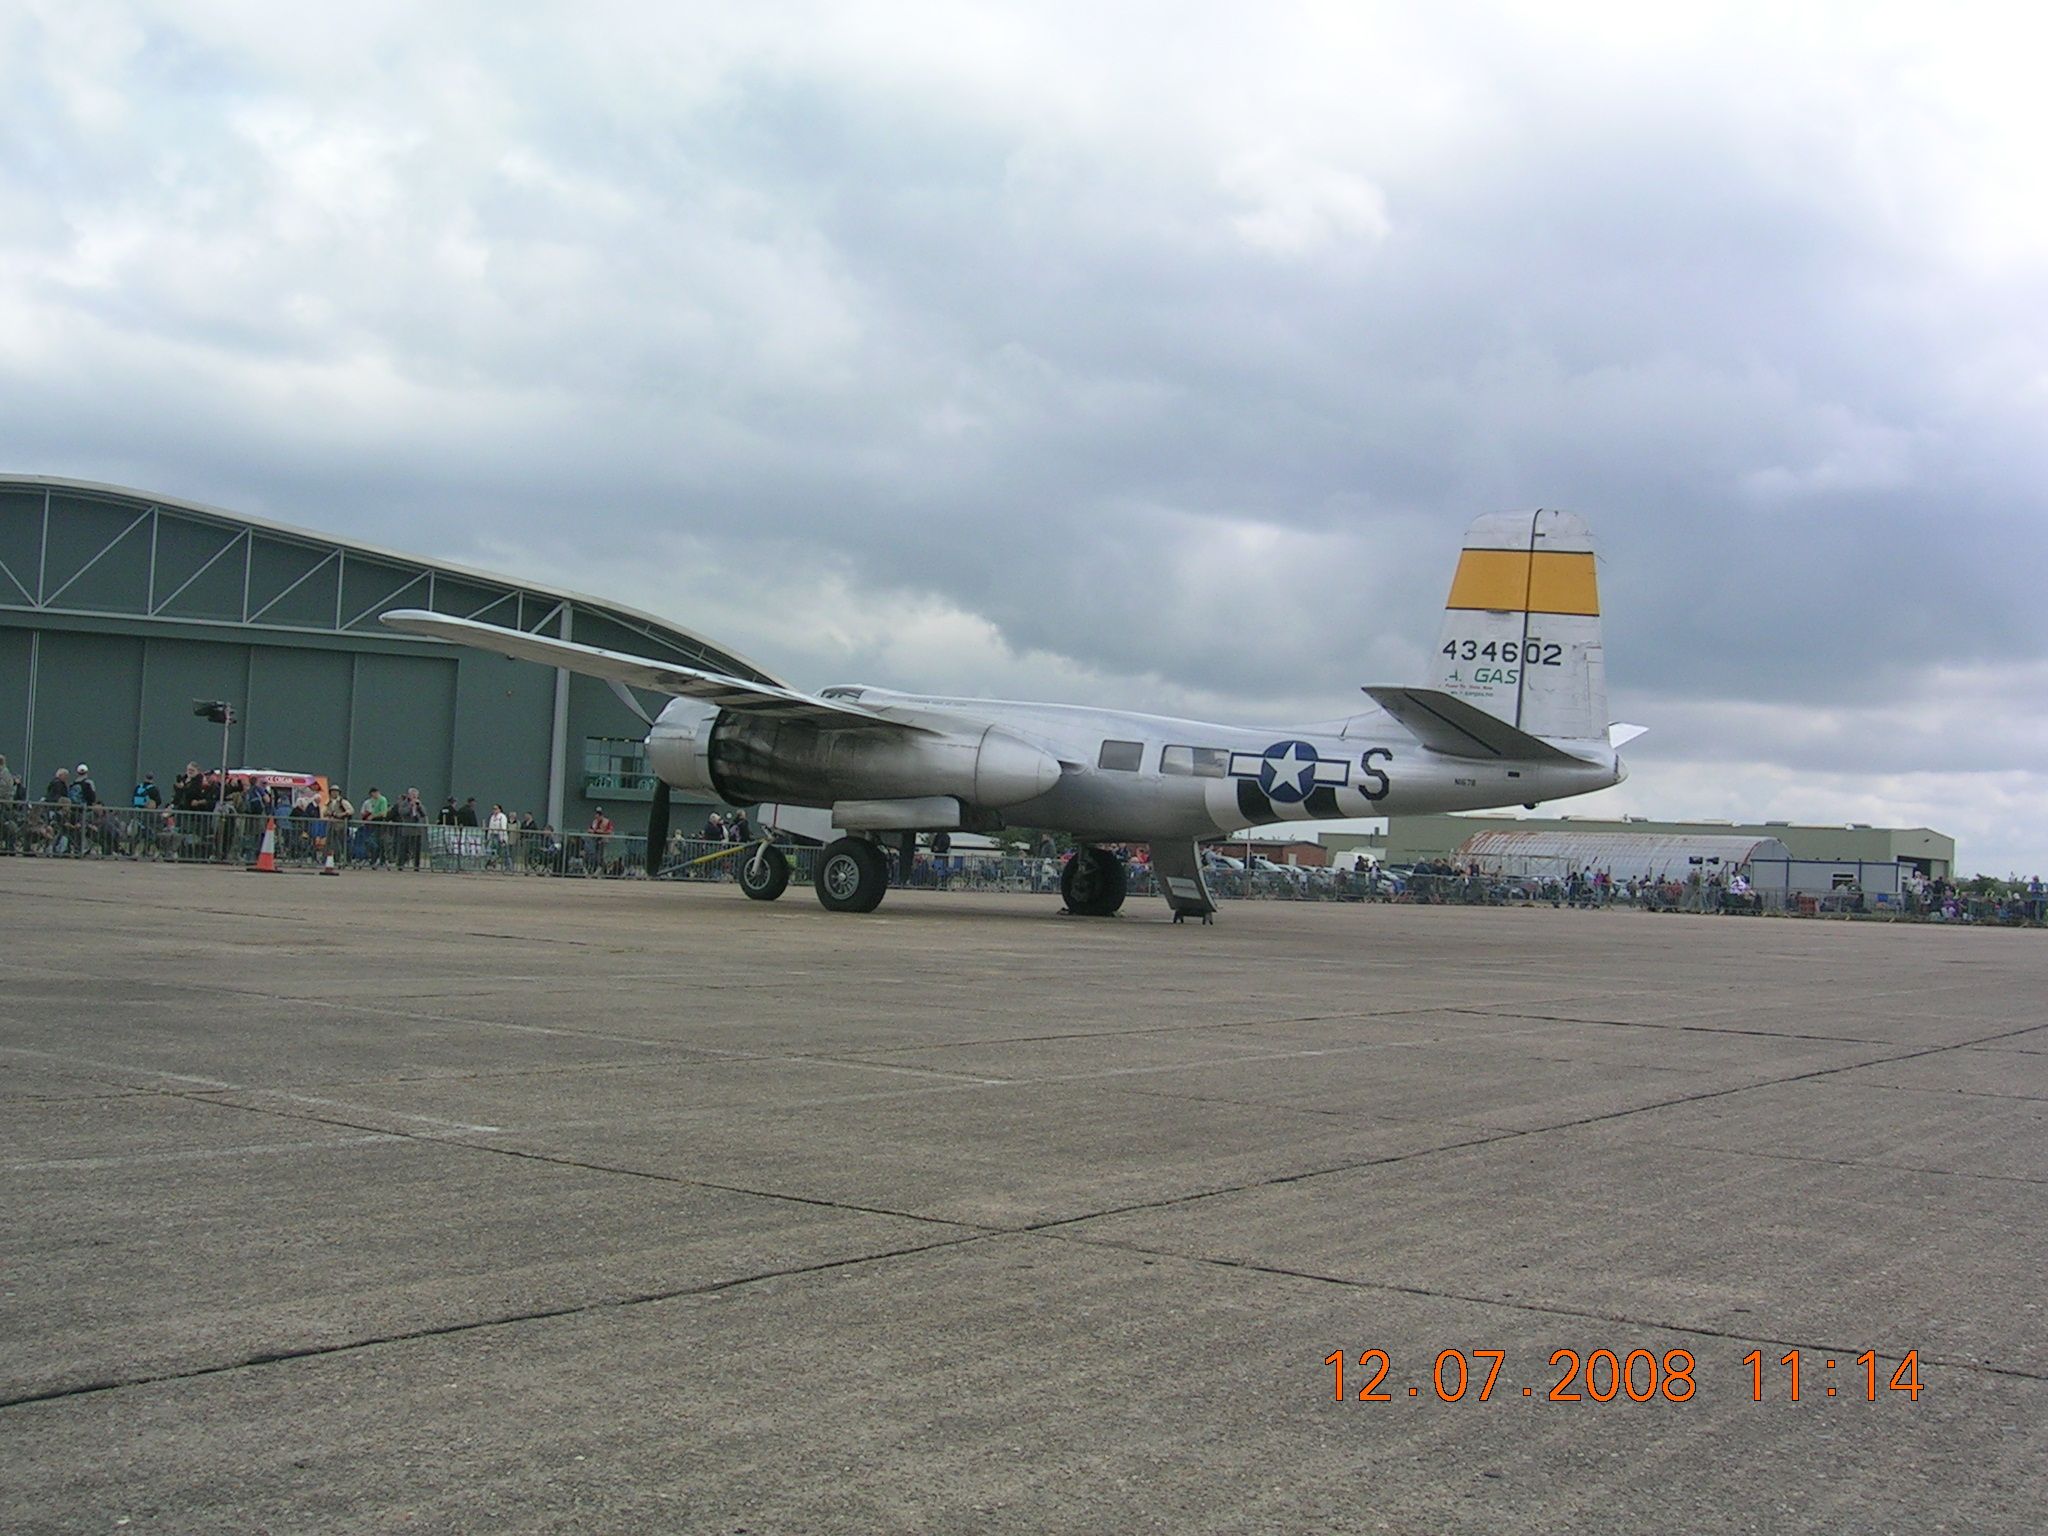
[{"x": 1167, "y": 360}]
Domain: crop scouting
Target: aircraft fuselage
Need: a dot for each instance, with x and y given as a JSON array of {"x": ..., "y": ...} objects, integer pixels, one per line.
[{"x": 1101, "y": 774}]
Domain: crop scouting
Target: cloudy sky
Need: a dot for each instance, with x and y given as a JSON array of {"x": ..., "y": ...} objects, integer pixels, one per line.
[{"x": 1143, "y": 354}]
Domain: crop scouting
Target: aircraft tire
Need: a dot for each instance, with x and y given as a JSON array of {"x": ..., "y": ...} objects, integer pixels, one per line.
[
  {"x": 852, "y": 876},
  {"x": 1093, "y": 883},
  {"x": 771, "y": 879}
]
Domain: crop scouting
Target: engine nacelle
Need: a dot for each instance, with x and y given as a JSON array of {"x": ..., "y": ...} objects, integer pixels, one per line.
[
  {"x": 679, "y": 746},
  {"x": 754, "y": 759},
  {"x": 747, "y": 759}
]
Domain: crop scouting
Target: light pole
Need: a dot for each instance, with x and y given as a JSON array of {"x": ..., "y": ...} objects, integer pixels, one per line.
[{"x": 222, "y": 714}]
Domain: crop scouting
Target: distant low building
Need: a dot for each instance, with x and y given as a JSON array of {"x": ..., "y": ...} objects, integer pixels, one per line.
[
  {"x": 1412, "y": 839},
  {"x": 1302, "y": 852},
  {"x": 1655, "y": 856}
]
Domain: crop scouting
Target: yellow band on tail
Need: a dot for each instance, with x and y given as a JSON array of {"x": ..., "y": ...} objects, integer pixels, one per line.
[{"x": 1516, "y": 581}]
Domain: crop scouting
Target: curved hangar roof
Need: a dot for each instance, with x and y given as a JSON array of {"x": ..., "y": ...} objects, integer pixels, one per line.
[
  {"x": 81, "y": 548},
  {"x": 1656, "y": 854}
]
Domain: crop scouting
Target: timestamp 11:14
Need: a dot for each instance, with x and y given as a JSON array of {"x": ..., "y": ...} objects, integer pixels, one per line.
[{"x": 1906, "y": 1378}]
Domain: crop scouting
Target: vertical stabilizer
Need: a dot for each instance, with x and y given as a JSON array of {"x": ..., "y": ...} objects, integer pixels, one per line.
[{"x": 1521, "y": 635}]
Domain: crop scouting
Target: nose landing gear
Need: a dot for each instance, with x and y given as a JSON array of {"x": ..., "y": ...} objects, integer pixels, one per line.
[{"x": 764, "y": 873}]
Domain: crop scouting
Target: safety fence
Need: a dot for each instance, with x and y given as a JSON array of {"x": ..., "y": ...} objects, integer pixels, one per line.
[
  {"x": 61, "y": 830},
  {"x": 306, "y": 842}
]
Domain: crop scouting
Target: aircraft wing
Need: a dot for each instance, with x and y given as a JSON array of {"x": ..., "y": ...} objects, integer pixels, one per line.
[
  {"x": 732, "y": 693},
  {"x": 1456, "y": 729}
]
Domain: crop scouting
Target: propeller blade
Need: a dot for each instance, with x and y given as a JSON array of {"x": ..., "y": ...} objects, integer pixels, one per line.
[
  {"x": 657, "y": 828},
  {"x": 626, "y": 698}
]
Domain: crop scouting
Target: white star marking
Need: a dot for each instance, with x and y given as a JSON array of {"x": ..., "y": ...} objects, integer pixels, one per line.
[{"x": 1292, "y": 769}]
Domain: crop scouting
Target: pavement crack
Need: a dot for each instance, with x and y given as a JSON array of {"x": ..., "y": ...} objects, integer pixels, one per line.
[
  {"x": 454, "y": 1139},
  {"x": 1357, "y": 1165},
  {"x": 475, "y": 1324},
  {"x": 1549, "y": 1309},
  {"x": 1856, "y": 1162},
  {"x": 1509, "y": 1012}
]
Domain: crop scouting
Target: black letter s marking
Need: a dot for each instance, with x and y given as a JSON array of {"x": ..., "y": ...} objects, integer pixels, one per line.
[{"x": 1370, "y": 773}]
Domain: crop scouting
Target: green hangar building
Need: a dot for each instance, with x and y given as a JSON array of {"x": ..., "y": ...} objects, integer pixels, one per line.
[{"x": 119, "y": 609}]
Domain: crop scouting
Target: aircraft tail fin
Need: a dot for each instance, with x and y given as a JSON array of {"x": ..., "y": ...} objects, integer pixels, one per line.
[{"x": 1521, "y": 632}]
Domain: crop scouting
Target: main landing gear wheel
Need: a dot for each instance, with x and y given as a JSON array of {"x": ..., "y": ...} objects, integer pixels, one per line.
[
  {"x": 1093, "y": 883},
  {"x": 764, "y": 873},
  {"x": 852, "y": 875}
]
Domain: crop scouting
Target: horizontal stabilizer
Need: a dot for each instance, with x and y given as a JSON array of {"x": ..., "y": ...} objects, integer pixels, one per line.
[
  {"x": 1620, "y": 735},
  {"x": 616, "y": 667},
  {"x": 1456, "y": 729}
]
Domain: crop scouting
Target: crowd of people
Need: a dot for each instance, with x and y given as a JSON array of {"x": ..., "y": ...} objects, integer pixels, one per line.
[
  {"x": 210, "y": 816},
  {"x": 205, "y": 815}
]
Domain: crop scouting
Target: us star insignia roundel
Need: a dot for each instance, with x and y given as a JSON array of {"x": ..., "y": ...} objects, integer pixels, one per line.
[{"x": 1288, "y": 771}]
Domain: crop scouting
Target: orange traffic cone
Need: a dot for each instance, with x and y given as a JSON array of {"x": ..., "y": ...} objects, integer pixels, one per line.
[{"x": 266, "y": 856}]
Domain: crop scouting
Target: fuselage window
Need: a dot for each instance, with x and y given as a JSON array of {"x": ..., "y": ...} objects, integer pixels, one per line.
[
  {"x": 1124, "y": 756},
  {"x": 1195, "y": 762}
]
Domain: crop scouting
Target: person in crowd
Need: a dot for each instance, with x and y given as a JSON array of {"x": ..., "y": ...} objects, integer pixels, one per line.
[
  {"x": 337, "y": 812},
  {"x": 7, "y": 783},
  {"x": 258, "y": 806},
  {"x": 445, "y": 817},
  {"x": 466, "y": 816},
  {"x": 714, "y": 828},
  {"x": 83, "y": 792},
  {"x": 307, "y": 829},
  {"x": 597, "y": 845},
  {"x": 499, "y": 837},
  {"x": 373, "y": 814},
  {"x": 366, "y": 842},
  {"x": 227, "y": 796},
  {"x": 161, "y": 827},
  {"x": 736, "y": 828},
  {"x": 411, "y": 816},
  {"x": 58, "y": 793},
  {"x": 147, "y": 796}
]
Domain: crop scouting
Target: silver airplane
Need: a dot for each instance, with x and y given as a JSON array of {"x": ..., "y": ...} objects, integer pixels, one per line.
[{"x": 1515, "y": 713}]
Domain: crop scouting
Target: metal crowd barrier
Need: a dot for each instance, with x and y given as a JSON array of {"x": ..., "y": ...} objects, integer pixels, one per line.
[{"x": 62, "y": 830}]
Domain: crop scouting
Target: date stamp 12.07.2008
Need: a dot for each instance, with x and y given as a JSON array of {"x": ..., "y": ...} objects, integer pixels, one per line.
[{"x": 1634, "y": 1376}]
